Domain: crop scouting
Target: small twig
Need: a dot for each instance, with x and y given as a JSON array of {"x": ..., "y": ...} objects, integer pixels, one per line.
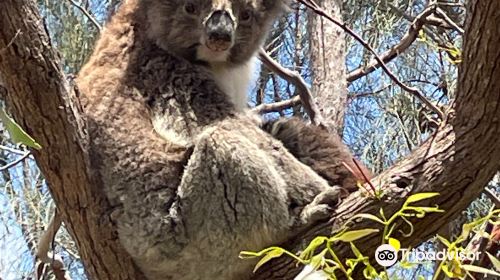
[
  {"x": 12, "y": 150},
  {"x": 318, "y": 10},
  {"x": 53, "y": 260},
  {"x": 12, "y": 40},
  {"x": 491, "y": 195},
  {"x": 449, "y": 4},
  {"x": 429, "y": 20},
  {"x": 450, "y": 21},
  {"x": 87, "y": 14},
  {"x": 15, "y": 162},
  {"x": 295, "y": 79},
  {"x": 365, "y": 176},
  {"x": 405, "y": 42},
  {"x": 277, "y": 106}
]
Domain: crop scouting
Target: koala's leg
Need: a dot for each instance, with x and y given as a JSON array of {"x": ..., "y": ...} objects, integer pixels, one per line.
[
  {"x": 231, "y": 198},
  {"x": 241, "y": 190},
  {"x": 324, "y": 152},
  {"x": 235, "y": 196}
]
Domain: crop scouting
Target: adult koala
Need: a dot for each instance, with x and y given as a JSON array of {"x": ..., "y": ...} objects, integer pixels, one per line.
[{"x": 194, "y": 180}]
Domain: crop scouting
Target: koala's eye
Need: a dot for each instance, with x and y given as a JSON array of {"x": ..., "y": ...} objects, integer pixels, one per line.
[
  {"x": 190, "y": 8},
  {"x": 245, "y": 15}
]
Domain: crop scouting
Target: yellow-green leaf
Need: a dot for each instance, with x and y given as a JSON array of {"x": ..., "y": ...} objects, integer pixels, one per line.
[
  {"x": 315, "y": 243},
  {"x": 395, "y": 243},
  {"x": 479, "y": 269},
  {"x": 420, "y": 196},
  {"x": 356, "y": 251},
  {"x": 353, "y": 235},
  {"x": 17, "y": 134},
  {"x": 369, "y": 217},
  {"x": 318, "y": 261},
  {"x": 494, "y": 261},
  {"x": 381, "y": 212},
  {"x": 444, "y": 241},
  {"x": 275, "y": 253}
]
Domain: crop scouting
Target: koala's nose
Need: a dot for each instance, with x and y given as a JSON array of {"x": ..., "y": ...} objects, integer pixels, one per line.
[{"x": 220, "y": 27}]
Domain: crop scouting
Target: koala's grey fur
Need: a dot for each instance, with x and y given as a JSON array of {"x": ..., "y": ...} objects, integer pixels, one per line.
[{"x": 213, "y": 183}]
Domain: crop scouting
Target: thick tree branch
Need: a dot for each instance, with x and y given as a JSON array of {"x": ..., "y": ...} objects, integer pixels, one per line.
[
  {"x": 458, "y": 161},
  {"x": 46, "y": 106}
]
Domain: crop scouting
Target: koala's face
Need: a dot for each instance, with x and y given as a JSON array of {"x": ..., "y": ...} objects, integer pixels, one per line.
[{"x": 212, "y": 31}]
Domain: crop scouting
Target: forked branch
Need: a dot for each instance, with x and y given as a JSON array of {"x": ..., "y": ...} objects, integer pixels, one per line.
[{"x": 414, "y": 91}]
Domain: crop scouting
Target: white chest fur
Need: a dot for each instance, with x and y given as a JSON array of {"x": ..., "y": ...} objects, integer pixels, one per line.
[{"x": 234, "y": 82}]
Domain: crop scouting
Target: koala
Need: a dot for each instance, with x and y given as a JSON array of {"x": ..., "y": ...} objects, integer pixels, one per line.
[
  {"x": 193, "y": 181},
  {"x": 224, "y": 35}
]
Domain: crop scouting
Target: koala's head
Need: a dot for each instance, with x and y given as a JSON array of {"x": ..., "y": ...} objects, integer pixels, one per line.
[{"x": 213, "y": 31}]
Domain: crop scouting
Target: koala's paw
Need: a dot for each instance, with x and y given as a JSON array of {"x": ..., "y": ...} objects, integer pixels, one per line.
[{"x": 321, "y": 207}]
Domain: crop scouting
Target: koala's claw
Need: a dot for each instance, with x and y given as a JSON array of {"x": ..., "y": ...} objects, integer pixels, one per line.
[{"x": 321, "y": 207}]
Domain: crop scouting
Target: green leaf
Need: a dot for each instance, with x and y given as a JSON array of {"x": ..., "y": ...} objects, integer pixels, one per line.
[
  {"x": 370, "y": 272},
  {"x": 381, "y": 212},
  {"x": 315, "y": 243},
  {"x": 318, "y": 261},
  {"x": 356, "y": 251},
  {"x": 419, "y": 196},
  {"x": 17, "y": 134},
  {"x": 494, "y": 261},
  {"x": 369, "y": 217},
  {"x": 274, "y": 253},
  {"x": 444, "y": 241},
  {"x": 353, "y": 235},
  {"x": 479, "y": 269},
  {"x": 395, "y": 243}
]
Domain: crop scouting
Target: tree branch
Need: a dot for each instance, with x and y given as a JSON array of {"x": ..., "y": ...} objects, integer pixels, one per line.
[
  {"x": 405, "y": 42},
  {"x": 15, "y": 162},
  {"x": 457, "y": 162},
  {"x": 278, "y": 106},
  {"x": 296, "y": 79},
  {"x": 47, "y": 108},
  {"x": 491, "y": 195},
  {"x": 448, "y": 20},
  {"x": 87, "y": 14},
  {"x": 55, "y": 262},
  {"x": 414, "y": 91}
]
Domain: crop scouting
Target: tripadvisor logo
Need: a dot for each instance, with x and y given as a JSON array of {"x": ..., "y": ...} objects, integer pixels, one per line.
[{"x": 386, "y": 255}]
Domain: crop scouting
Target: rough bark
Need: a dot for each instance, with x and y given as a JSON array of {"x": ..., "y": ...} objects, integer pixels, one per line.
[
  {"x": 45, "y": 104},
  {"x": 457, "y": 161},
  {"x": 327, "y": 53}
]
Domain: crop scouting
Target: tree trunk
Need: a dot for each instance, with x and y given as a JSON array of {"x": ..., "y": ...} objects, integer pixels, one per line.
[
  {"x": 457, "y": 161},
  {"x": 46, "y": 106},
  {"x": 327, "y": 52}
]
